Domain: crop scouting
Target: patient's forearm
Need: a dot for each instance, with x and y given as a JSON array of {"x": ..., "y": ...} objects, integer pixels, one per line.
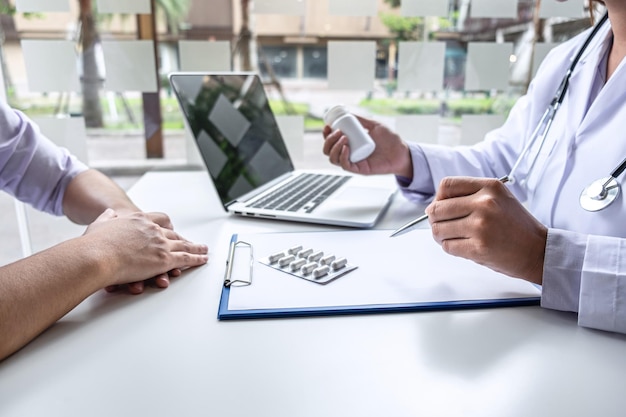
[
  {"x": 37, "y": 291},
  {"x": 90, "y": 193}
]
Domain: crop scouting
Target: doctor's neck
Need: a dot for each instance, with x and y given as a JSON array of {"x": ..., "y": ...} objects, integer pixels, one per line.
[{"x": 617, "y": 16}]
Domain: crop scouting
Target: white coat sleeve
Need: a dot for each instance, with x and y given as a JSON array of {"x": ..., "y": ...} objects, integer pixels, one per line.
[
  {"x": 586, "y": 274},
  {"x": 492, "y": 157}
]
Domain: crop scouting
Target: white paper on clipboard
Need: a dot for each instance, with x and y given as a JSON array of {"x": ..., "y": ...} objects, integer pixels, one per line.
[{"x": 408, "y": 269}]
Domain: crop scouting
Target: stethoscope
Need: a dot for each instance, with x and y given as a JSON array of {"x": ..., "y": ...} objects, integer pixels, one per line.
[{"x": 600, "y": 193}]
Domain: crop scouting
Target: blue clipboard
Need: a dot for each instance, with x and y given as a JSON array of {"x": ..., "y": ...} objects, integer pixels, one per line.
[
  {"x": 225, "y": 314},
  {"x": 530, "y": 298}
]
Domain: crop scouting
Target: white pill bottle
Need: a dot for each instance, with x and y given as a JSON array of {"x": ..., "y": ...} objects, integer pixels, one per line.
[{"x": 361, "y": 144}]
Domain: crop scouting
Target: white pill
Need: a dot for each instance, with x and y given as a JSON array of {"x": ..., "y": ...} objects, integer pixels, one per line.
[
  {"x": 295, "y": 265},
  {"x": 276, "y": 256},
  {"x": 286, "y": 260},
  {"x": 306, "y": 269},
  {"x": 315, "y": 256},
  {"x": 327, "y": 260},
  {"x": 339, "y": 263},
  {"x": 321, "y": 271},
  {"x": 294, "y": 250},
  {"x": 305, "y": 253}
]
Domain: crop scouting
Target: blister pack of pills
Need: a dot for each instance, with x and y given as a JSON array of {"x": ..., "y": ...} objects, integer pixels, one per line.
[{"x": 308, "y": 263}]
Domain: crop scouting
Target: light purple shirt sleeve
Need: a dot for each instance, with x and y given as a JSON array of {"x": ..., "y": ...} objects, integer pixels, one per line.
[
  {"x": 421, "y": 188},
  {"x": 32, "y": 168}
]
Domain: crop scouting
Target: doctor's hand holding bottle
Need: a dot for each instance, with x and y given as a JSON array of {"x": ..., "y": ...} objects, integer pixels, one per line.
[
  {"x": 474, "y": 218},
  {"x": 391, "y": 155}
]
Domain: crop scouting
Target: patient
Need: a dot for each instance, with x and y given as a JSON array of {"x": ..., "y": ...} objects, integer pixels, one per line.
[{"x": 122, "y": 248}]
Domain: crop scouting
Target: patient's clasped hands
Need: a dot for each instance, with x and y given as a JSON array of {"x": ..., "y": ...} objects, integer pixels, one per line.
[{"x": 137, "y": 247}]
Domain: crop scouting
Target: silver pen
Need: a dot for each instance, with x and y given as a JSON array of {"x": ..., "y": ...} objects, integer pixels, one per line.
[{"x": 409, "y": 226}]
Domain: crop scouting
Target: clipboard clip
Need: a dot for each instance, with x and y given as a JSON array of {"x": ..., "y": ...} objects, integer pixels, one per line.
[{"x": 228, "y": 281}]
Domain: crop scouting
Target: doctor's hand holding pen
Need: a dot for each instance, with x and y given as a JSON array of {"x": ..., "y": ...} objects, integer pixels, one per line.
[
  {"x": 474, "y": 218},
  {"x": 479, "y": 219}
]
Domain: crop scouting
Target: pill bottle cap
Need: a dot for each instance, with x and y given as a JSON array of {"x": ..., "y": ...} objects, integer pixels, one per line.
[{"x": 334, "y": 113}]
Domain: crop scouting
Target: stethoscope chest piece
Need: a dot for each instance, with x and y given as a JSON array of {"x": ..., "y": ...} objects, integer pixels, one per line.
[{"x": 599, "y": 194}]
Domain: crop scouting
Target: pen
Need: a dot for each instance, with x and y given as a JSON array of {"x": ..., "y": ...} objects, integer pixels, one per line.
[{"x": 409, "y": 226}]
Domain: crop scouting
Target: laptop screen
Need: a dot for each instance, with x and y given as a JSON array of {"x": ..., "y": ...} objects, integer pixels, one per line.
[{"x": 235, "y": 130}]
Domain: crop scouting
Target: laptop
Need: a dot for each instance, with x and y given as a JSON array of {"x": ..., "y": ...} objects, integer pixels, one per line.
[{"x": 239, "y": 140}]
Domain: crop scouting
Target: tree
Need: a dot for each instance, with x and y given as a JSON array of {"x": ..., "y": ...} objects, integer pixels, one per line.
[
  {"x": 404, "y": 28},
  {"x": 88, "y": 40},
  {"x": 245, "y": 37},
  {"x": 410, "y": 28},
  {"x": 6, "y": 10},
  {"x": 174, "y": 12}
]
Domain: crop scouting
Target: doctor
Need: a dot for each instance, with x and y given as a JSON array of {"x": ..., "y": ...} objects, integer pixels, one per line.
[{"x": 578, "y": 256}]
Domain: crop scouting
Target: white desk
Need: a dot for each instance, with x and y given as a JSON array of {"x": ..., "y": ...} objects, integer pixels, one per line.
[{"x": 164, "y": 353}]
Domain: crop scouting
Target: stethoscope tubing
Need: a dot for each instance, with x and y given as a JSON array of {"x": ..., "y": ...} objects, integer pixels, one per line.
[{"x": 608, "y": 192}]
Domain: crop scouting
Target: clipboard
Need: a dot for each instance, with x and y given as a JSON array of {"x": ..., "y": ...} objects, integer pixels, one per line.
[{"x": 409, "y": 273}]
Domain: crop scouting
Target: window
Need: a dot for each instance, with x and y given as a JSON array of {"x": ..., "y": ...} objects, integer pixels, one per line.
[
  {"x": 315, "y": 62},
  {"x": 281, "y": 60}
]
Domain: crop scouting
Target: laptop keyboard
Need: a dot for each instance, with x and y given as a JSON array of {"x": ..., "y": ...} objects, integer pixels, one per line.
[{"x": 307, "y": 191}]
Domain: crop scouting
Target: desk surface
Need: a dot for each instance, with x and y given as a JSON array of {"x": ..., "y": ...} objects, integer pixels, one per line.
[{"x": 164, "y": 353}]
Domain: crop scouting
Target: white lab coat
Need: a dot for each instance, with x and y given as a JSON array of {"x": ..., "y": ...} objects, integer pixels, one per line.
[{"x": 585, "y": 262}]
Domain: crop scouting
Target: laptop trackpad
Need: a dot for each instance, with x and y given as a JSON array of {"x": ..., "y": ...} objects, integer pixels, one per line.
[{"x": 355, "y": 198}]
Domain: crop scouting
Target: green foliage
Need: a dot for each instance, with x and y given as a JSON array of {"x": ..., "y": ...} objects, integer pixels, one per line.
[
  {"x": 403, "y": 28},
  {"x": 391, "y": 106},
  {"x": 454, "y": 107},
  {"x": 393, "y": 3},
  {"x": 279, "y": 107},
  {"x": 447, "y": 23},
  {"x": 412, "y": 28},
  {"x": 175, "y": 12},
  {"x": 424, "y": 107},
  {"x": 503, "y": 105},
  {"x": 463, "y": 106},
  {"x": 6, "y": 7},
  {"x": 302, "y": 109}
]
